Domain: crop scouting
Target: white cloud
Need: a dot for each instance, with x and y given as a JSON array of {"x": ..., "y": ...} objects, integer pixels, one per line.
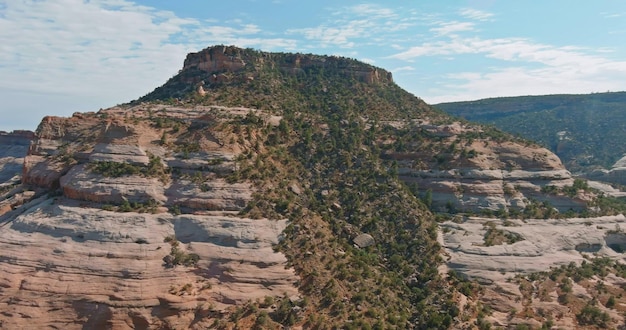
[
  {"x": 364, "y": 24},
  {"x": 475, "y": 14},
  {"x": 521, "y": 80},
  {"x": 87, "y": 45},
  {"x": 403, "y": 69},
  {"x": 332, "y": 36},
  {"x": 372, "y": 11},
  {"x": 612, "y": 15},
  {"x": 523, "y": 68},
  {"x": 451, "y": 27},
  {"x": 99, "y": 52},
  {"x": 513, "y": 50},
  {"x": 516, "y": 81}
]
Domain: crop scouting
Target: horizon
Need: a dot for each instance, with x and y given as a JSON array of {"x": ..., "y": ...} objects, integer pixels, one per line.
[{"x": 76, "y": 56}]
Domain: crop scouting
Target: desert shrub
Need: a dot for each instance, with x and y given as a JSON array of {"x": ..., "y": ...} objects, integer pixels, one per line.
[
  {"x": 179, "y": 257},
  {"x": 592, "y": 315},
  {"x": 115, "y": 169},
  {"x": 155, "y": 169}
]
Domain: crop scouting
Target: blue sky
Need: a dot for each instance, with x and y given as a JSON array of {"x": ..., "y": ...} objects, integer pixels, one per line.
[{"x": 62, "y": 56}]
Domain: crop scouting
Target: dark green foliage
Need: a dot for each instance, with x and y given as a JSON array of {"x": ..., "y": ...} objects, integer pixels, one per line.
[
  {"x": 465, "y": 286},
  {"x": 115, "y": 169},
  {"x": 178, "y": 256},
  {"x": 149, "y": 206},
  {"x": 344, "y": 161},
  {"x": 610, "y": 303},
  {"x": 155, "y": 168},
  {"x": 495, "y": 236},
  {"x": 611, "y": 205},
  {"x": 284, "y": 313},
  {"x": 329, "y": 143},
  {"x": 592, "y": 315},
  {"x": 595, "y": 123}
]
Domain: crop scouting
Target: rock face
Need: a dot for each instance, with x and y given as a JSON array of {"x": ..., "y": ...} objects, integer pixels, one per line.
[
  {"x": 543, "y": 244},
  {"x": 475, "y": 174},
  {"x": 617, "y": 173},
  {"x": 540, "y": 246},
  {"x": 68, "y": 264},
  {"x": 72, "y": 259},
  {"x": 364, "y": 240},
  {"x": 221, "y": 59}
]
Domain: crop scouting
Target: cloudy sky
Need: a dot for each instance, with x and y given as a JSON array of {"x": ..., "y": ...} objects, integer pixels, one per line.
[{"x": 62, "y": 56}]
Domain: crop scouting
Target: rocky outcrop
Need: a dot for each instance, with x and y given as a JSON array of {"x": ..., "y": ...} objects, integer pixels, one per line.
[
  {"x": 540, "y": 246},
  {"x": 70, "y": 262},
  {"x": 17, "y": 137},
  {"x": 543, "y": 244},
  {"x": 82, "y": 184},
  {"x": 617, "y": 173},
  {"x": 66, "y": 265},
  {"x": 216, "y": 59},
  {"x": 131, "y": 154},
  {"x": 214, "y": 195},
  {"x": 220, "y": 59},
  {"x": 482, "y": 174}
]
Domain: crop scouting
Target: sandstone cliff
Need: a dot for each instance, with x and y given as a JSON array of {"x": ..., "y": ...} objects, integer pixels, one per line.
[
  {"x": 500, "y": 254},
  {"x": 71, "y": 259},
  {"x": 220, "y": 60},
  {"x": 617, "y": 173},
  {"x": 210, "y": 69},
  {"x": 470, "y": 170}
]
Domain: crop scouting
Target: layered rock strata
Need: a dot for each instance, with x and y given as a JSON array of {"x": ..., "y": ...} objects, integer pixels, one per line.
[
  {"x": 539, "y": 245},
  {"x": 87, "y": 240},
  {"x": 67, "y": 265},
  {"x": 476, "y": 174},
  {"x": 617, "y": 173},
  {"x": 219, "y": 60}
]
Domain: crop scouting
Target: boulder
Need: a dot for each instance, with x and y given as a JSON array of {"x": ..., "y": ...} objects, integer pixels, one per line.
[{"x": 364, "y": 240}]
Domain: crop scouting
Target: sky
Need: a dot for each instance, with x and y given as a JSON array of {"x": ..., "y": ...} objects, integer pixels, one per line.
[{"x": 58, "y": 57}]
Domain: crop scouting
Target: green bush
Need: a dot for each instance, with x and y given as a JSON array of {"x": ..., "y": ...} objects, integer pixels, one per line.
[
  {"x": 155, "y": 168},
  {"x": 592, "y": 315}
]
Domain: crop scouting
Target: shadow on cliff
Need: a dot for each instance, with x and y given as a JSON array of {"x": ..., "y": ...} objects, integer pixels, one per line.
[
  {"x": 98, "y": 315},
  {"x": 188, "y": 230}
]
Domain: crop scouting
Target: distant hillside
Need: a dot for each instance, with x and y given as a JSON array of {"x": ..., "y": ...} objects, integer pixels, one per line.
[{"x": 583, "y": 130}]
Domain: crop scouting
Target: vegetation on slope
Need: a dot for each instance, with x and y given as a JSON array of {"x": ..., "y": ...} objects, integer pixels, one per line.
[
  {"x": 583, "y": 130},
  {"x": 593, "y": 292},
  {"x": 271, "y": 85},
  {"x": 321, "y": 168},
  {"x": 324, "y": 174}
]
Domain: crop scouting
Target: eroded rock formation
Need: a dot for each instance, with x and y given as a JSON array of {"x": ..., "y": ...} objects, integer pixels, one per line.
[
  {"x": 474, "y": 174},
  {"x": 72, "y": 259},
  {"x": 540, "y": 245},
  {"x": 617, "y": 173},
  {"x": 219, "y": 60}
]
